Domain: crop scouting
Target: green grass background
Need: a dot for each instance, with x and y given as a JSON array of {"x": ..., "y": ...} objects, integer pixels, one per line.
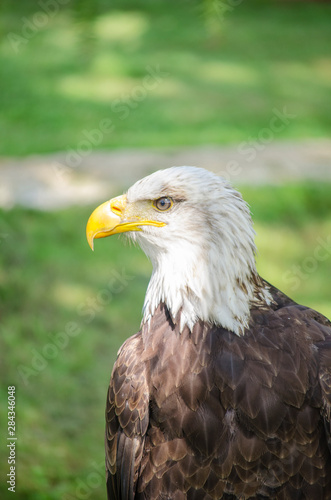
[
  {"x": 226, "y": 71},
  {"x": 225, "y": 76},
  {"x": 49, "y": 276}
]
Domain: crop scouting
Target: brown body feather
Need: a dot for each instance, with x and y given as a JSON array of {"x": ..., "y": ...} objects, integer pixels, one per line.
[{"x": 208, "y": 414}]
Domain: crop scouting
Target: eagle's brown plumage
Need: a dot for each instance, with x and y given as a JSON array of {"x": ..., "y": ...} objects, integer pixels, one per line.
[
  {"x": 211, "y": 415},
  {"x": 225, "y": 392}
]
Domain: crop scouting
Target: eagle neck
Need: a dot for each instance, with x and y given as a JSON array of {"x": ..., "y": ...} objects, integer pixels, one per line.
[{"x": 198, "y": 285}]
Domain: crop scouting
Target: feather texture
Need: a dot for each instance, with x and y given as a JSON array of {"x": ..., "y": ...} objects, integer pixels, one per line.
[
  {"x": 225, "y": 392},
  {"x": 211, "y": 415}
]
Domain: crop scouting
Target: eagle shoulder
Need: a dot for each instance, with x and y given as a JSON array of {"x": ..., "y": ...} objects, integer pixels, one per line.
[
  {"x": 324, "y": 353},
  {"x": 314, "y": 329},
  {"x": 127, "y": 417}
]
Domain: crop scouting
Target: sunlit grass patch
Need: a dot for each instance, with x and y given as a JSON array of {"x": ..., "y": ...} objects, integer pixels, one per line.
[{"x": 221, "y": 85}]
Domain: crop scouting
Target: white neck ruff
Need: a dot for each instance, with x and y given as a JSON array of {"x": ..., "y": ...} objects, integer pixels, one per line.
[{"x": 205, "y": 283}]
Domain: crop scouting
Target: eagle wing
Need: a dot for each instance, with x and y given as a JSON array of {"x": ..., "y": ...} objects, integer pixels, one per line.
[
  {"x": 320, "y": 328},
  {"x": 324, "y": 349},
  {"x": 127, "y": 419}
]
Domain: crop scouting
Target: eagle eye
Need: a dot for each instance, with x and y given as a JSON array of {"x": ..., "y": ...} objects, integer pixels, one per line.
[{"x": 163, "y": 203}]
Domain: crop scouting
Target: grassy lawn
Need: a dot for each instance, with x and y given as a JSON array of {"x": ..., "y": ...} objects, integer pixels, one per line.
[
  {"x": 65, "y": 311},
  {"x": 214, "y": 78}
]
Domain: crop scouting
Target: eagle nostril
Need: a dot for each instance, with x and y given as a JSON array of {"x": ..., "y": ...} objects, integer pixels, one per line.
[{"x": 116, "y": 209}]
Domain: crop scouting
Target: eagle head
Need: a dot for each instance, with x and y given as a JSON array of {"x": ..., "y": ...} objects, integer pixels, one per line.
[{"x": 197, "y": 231}]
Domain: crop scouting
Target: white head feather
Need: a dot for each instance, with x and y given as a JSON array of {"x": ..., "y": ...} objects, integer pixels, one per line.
[{"x": 204, "y": 257}]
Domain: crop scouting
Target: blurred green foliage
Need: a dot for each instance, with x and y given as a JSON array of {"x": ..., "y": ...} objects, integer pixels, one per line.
[
  {"x": 50, "y": 280},
  {"x": 67, "y": 67}
]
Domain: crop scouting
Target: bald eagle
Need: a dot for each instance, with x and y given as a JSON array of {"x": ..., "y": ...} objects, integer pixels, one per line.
[{"x": 225, "y": 392}]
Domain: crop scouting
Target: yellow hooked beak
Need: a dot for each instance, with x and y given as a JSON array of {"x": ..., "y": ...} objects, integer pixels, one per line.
[{"x": 109, "y": 218}]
